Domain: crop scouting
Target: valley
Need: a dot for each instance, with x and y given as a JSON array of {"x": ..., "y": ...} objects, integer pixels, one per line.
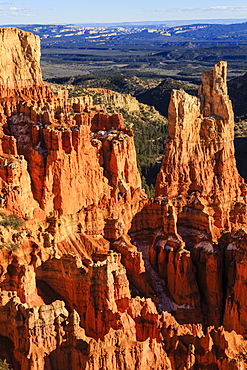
[{"x": 146, "y": 62}]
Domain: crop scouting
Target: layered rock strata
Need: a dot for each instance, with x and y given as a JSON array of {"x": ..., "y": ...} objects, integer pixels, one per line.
[
  {"x": 199, "y": 179},
  {"x": 51, "y": 133},
  {"x": 78, "y": 292},
  {"x": 199, "y": 165}
]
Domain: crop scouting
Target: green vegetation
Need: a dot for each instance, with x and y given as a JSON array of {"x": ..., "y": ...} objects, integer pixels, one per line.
[
  {"x": 11, "y": 220},
  {"x": 148, "y": 66},
  {"x": 149, "y": 190},
  {"x": 11, "y": 246},
  {"x": 150, "y": 134},
  {"x": 148, "y": 125},
  {"x": 119, "y": 82},
  {"x": 4, "y": 365},
  {"x": 150, "y": 138},
  {"x": 115, "y": 62}
]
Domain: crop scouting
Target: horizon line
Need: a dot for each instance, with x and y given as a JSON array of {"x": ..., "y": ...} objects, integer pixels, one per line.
[{"x": 207, "y": 20}]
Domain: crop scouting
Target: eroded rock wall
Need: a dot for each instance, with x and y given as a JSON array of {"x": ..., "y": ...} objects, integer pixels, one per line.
[
  {"x": 78, "y": 292},
  {"x": 199, "y": 164}
]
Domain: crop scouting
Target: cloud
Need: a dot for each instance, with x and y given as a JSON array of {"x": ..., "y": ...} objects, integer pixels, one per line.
[
  {"x": 14, "y": 11},
  {"x": 229, "y": 8},
  {"x": 218, "y": 8},
  {"x": 223, "y": 8}
]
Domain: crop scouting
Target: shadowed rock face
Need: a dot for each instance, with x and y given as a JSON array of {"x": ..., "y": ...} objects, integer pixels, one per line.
[{"x": 96, "y": 272}]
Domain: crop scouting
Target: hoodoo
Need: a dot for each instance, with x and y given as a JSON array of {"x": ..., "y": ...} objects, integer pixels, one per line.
[
  {"x": 199, "y": 165},
  {"x": 94, "y": 275}
]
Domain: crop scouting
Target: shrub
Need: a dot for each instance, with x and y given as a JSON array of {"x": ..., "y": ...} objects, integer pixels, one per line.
[
  {"x": 149, "y": 189},
  {"x": 3, "y": 365},
  {"x": 11, "y": 221},
  {"x": 11, "y": 246}
]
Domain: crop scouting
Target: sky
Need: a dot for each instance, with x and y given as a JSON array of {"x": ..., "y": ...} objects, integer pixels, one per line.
[{"x": 112, "y": 11}]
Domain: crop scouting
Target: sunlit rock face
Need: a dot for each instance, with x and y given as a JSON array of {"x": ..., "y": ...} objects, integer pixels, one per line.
[
  {"x": 199, "y": 165},
  {"x": 77, "y": 155},
  {"x": 20, "y": 54},
  {"x": 199, "y": 178},
  {"x": 92, "y": 273}
]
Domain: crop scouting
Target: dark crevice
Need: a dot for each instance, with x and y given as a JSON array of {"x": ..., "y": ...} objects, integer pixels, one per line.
[
  {"x": 240, "y": 144},
  {"x": 48, "y": 294},
  {"x": 224, "y": 280},
  {"x": 7, "y": 353}
]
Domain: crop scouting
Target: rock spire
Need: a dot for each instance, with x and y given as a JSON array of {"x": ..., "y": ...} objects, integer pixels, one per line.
[{"x": 199, "y": 161}]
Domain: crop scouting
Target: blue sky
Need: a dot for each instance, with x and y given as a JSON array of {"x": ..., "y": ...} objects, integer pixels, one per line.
[{"x": 101, "y": 11}]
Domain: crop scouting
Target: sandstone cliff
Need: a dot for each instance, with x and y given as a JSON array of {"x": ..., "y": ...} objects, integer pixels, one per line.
[
  {"x": 199, "y": 178},
  {"x": 199, "y": 161},
  {"x": 92, "y": 272}
]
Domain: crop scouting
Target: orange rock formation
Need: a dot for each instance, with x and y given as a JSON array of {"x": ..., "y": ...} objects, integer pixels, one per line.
[
  {"x": 199, "y": 163},
  {"x": 199, "y": 177},
  {"x": 95, "y": 273}
]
